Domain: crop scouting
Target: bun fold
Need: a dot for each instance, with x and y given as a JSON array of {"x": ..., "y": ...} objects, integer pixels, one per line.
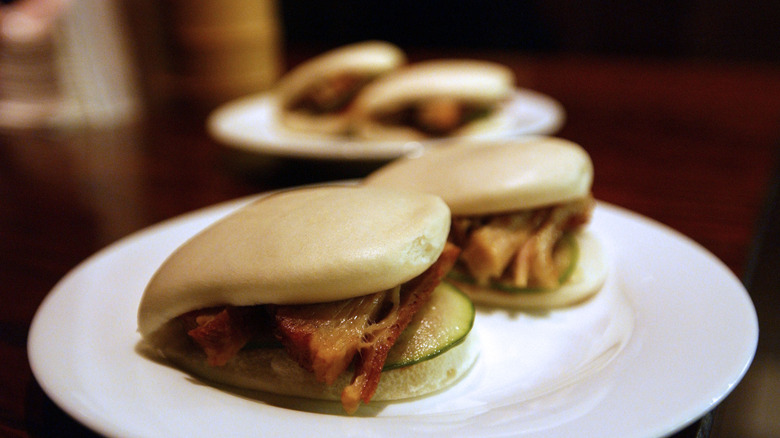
[{"x": 300, "y": 246}]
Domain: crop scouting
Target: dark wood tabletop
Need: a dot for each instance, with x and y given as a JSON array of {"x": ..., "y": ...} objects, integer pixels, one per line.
[{"x": 691, "y": 144}]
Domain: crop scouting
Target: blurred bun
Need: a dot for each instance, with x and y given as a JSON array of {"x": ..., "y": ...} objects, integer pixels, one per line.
[
  {"x": 485, "y": 179},
  {"x": 493, "y": 176},
  {"x": 587, "y": 279},
  {"x": 474, "y": 83},
  {"x": 365, "y": 60}
]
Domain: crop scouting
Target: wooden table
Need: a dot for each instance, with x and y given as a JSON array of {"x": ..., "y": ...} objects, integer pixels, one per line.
[{"x": 690, "y": 144}]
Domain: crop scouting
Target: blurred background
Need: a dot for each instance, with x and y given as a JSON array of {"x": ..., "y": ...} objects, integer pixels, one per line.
[
  {"x": 104, "y": 63},
  {"x": 697, "y": 28},
  {"x": 211, "y": 51},
  {"x": 703, "y": 29}
]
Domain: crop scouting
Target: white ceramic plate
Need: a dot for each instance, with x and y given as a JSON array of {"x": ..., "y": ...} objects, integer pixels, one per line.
[
  {"x": 669, "y": 336},
  {"x": 249, "y": 124}
]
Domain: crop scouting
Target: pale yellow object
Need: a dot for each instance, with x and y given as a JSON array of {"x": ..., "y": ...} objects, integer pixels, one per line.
[
  {"x": 484, "y": 177},
  {"x": 368, "y": 58},
  {"x": 471, "y": 82},
  {"x": 478, "y": 178},
  {"x": 307, "y": 245}
]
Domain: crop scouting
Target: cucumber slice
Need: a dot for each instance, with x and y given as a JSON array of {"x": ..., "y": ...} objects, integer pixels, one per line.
[
  {"x": 569, "y": 245},
  {"x": 440, "y": 325}
]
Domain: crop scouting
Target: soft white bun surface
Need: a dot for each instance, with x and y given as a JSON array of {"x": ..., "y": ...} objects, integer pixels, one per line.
[
  {"x": 471, "y": 80},
  {"x": 485, "y": 177},
  {"x": 272, "y": 370},
  {"x": 368, "y": 57},
  {"x": 300, "y": 246},
  {"x": 588, "y": 277}
]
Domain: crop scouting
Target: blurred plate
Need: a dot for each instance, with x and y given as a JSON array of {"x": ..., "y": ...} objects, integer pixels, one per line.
[
  {"x": 249, "y": 124},
  {"x": 670, "y": 335}
]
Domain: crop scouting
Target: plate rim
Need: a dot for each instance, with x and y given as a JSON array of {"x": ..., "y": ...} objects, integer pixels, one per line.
[{"x": 335, "y": 148}]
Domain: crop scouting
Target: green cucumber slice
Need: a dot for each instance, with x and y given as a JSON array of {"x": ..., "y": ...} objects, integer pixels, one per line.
[
  {"x": 440, "y": 325},
  {"x": 568, "y": 240}
]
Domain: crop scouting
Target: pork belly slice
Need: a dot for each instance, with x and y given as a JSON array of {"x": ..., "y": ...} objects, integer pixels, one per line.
[
  {"x": 222, "y": 332},
  {"x": 326, "y": 338},
  {"x": 518, "y": 248},
  {"x": 491, "y": 246}
]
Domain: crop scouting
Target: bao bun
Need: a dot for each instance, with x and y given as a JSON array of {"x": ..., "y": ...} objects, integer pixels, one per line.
[
  {"x": 302, "y": 246},
  {"x": 469, "y": 81},
  {"x": 501, "y": 176},
  {"x": 369, "y": 59}
]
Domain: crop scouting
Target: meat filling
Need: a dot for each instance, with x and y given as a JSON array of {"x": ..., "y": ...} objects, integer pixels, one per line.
[
  {"x": 519, "y": 249},
  {"x": 325, "y": 338},
  {"x": 223, "y": 331},
  {"x": 330, "y": 95},
  {"x": 437, "y": 117}
]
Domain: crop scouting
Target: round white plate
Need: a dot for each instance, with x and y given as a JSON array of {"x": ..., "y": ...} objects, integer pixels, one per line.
[
  {"x": 249, "y": 124},
  {"x": 670, "y": 335}
]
